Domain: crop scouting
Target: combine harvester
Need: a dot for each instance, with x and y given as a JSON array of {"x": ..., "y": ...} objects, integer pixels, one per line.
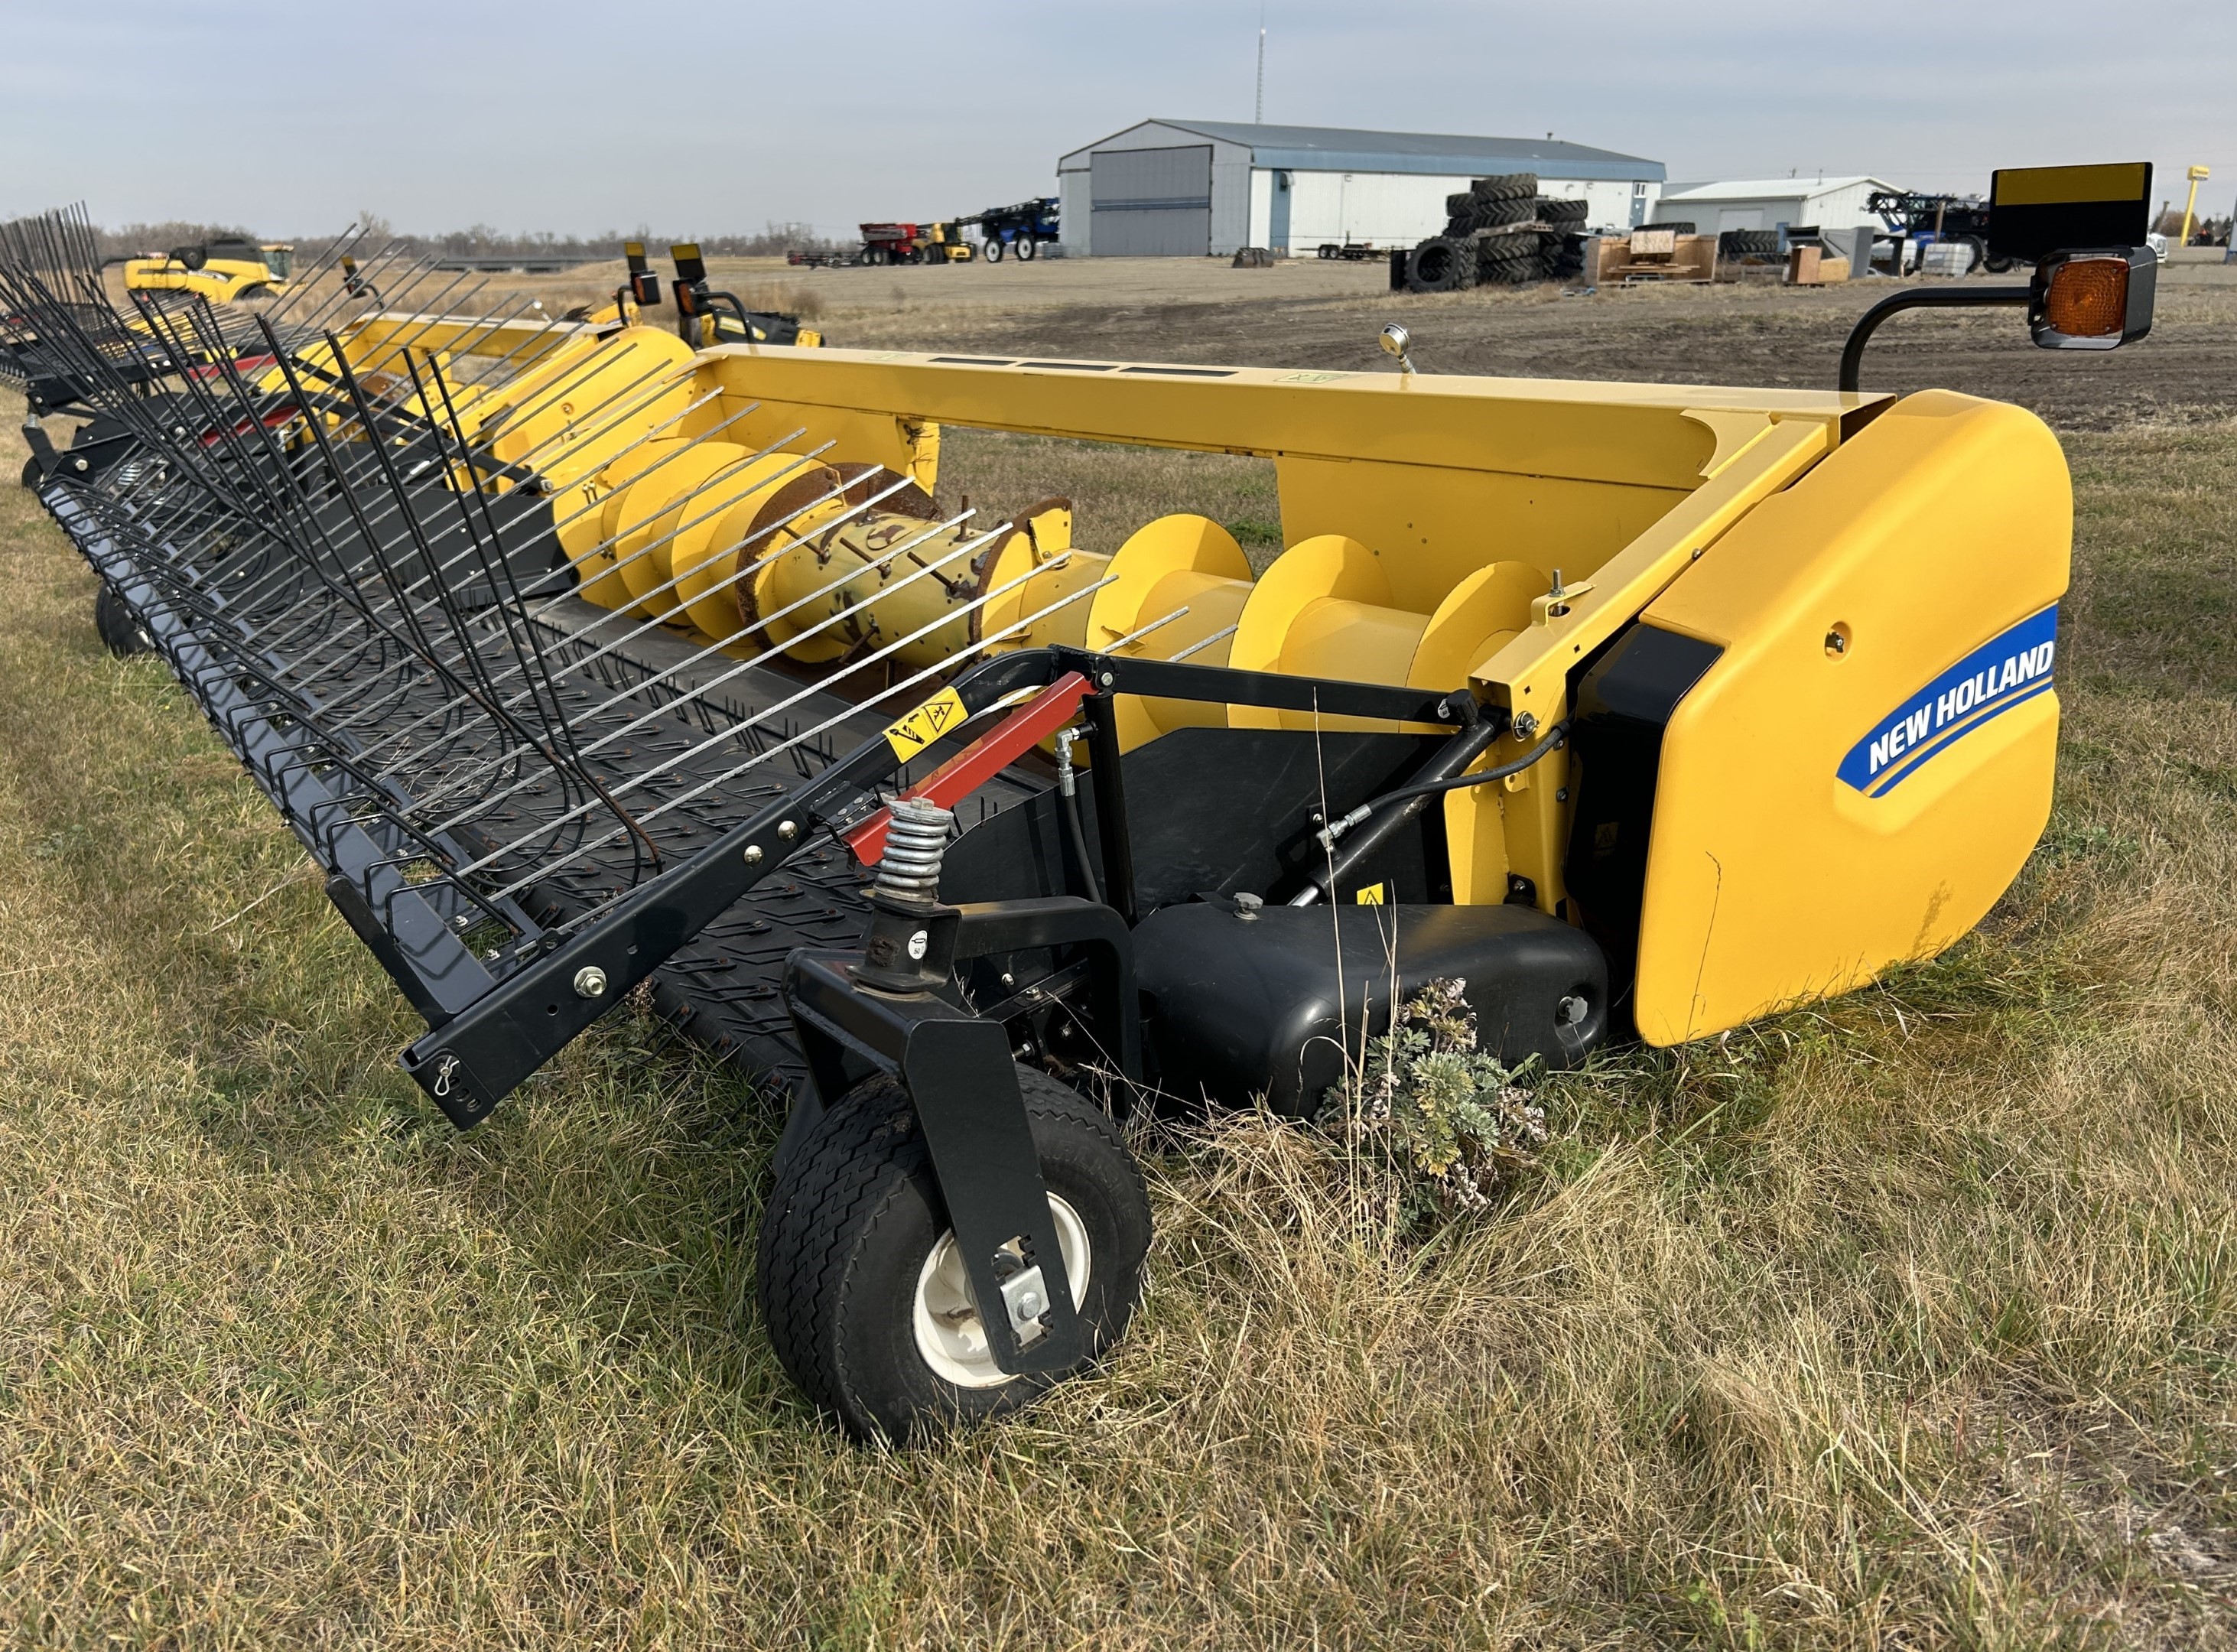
[{"x": 1643, "y": 710}]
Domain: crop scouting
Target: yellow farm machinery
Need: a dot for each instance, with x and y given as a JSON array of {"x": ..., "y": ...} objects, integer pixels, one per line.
[
  {"x": 580, "y": 660},
  {"x": 227, "y": 270}
]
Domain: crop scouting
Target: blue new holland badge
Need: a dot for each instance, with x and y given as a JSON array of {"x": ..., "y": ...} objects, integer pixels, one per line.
[{"x": 1988, "y": 682}]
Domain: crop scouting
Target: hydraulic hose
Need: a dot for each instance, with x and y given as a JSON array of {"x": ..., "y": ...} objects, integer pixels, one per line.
[{"x": 1374, "y": 822}]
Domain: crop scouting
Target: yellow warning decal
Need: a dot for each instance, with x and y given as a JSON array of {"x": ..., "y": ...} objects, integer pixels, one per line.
[
  {"x": 936, "y": 716},
  {"x": 1371, "y": 896}
]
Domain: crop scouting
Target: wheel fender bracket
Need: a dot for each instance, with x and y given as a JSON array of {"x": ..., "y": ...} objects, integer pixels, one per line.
[{"x": 965, "y": 1090}]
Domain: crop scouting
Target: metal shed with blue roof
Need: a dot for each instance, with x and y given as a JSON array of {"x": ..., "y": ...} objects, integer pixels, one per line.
[{"x": 1193, "y": 189}]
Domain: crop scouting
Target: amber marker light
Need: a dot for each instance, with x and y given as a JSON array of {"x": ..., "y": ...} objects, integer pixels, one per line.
[{"x": 2089, "y": 298}]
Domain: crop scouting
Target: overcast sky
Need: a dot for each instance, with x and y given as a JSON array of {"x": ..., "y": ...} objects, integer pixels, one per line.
[{"x": 571, "y": 116}]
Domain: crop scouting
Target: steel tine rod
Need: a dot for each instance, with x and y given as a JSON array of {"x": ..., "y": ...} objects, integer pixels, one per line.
[
  {"x": 638, "y": 781},
  {"x": 746, "y": 571},
  {"x": 1140, "y": 632},
  {"x": 1201, "y": 644},
  {"x": 779, "y": 749},
  {"x": 668, "y": 707}
]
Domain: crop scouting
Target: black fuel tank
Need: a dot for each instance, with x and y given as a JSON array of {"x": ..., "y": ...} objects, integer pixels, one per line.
[{"x": 1271, "y": 1004}]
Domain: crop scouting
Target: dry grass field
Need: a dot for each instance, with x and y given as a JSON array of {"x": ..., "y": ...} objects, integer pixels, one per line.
[{"x": 1906, "y": 1321}]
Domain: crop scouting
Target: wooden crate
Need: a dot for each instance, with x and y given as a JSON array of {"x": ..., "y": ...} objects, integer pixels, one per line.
[{"x": 1609, "y": 259}]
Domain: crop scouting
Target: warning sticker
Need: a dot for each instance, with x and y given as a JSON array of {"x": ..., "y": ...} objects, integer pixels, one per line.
[
  {"x": 936, "y": 716},
  {"x": 1371, "y": 896}
]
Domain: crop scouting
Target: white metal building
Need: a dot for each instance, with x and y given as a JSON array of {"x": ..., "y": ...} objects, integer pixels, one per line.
[
  {"x": 1766, "y": 203},
  {"x": 1189, "y": 188}
]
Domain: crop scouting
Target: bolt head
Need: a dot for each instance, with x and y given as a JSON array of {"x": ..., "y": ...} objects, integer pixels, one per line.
[
  {"x": 1525, "y": 725},
  {"x": 787, "y": 830},
  {"x": 590, "y": 981},
  {"x": 1108, "y": 679},
  {"x": 753, "y": 855}
]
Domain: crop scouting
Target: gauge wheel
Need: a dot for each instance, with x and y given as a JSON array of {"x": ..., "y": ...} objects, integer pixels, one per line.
[{"x": 866, "y": 1298}]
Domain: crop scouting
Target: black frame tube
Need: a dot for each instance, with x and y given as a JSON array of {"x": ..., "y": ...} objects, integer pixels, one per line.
[{"x": 1955, "y": 298}]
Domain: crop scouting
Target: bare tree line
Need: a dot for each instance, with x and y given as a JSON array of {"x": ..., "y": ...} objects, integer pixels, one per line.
[{"x": 477, "y": 240}]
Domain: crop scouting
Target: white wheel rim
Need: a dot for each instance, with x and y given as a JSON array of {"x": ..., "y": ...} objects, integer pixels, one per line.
[{"x": 950, "y": 1334}]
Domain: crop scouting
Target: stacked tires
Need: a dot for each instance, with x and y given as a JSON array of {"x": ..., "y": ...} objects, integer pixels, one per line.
[
  {"x": 1747, "y": 246},
  {"x": 1499, "y": 232},
  {"x": 1561, "y": 243}
]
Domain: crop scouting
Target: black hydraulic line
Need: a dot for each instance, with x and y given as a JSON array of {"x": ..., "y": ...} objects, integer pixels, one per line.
[
  {"x": 1102, "y": 713},
  {"x": 1853, "y": 353},
  {"x": 1069, "y": 802},
  {"x": 1368, "y": 827}
]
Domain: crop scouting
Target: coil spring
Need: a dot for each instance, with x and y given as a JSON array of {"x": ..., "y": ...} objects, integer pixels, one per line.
[{"x": 915, "y": 841}]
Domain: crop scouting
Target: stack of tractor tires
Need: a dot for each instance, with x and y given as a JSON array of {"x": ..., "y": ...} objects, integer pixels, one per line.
[
  {"x": 1499, "y": 232},
  {"x": 1481, "y": 243},
  {"x": 1507, "y": 261},
  {"x": 1738, "y": 246},
  {"x": 1561, "y": 243},
  {"x": 1492, "y": 203}
]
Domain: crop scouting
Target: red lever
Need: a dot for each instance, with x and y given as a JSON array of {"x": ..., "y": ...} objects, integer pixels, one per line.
[{"x": 981, "y": 760}]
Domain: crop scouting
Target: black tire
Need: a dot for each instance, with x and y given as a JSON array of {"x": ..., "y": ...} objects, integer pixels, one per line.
[
  {"x": 1441, "y": 264},
  {"x": 1497, "y": 215},
  {"x": 1559, "y": 210},
  {"x": 1400, "y": 258},
  {"x": 992, "y": 251},
  {"x": 31, "y": 476},
  {"x": 120, "y": 630},
  {"x": 1028, "y": 249},
  {"x": 1748, "y": 243},
  {"x": 854, "y": 1220},
  {"x": 1327, "y": 249},
  {"x": 1999, "y": 266},
  {"x": 1507, "y": 186},
  {"x": 1680, "y": 226},
  {"x": 1460, "y": 205}
]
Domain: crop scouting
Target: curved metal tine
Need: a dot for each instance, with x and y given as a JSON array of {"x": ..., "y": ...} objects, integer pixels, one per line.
[
  {"x": 668, "y": 707},
  {"x": 426, "y": 318},
  {"x": 392, "y": 508},
  {"x": 427, "y": 477},
  {"x": 382, "y": 270},
  {"x": 726, "y": 777},
  {"x": 581, "y": 663},
  {"x": 525, "y": 641},
  {"x": 649, "y": 471},
  {"x": 286, "y": 513},
  {"x": 235, "y": 615},
  {"x": 308, "y": 280},
  {"x": 642, "y": 778},
  {"x": 380, "y": 543},
  {"x": 472, "y": 663},
  {"x": 419, "y": 644},
  {"x": 468, "y": 658}
]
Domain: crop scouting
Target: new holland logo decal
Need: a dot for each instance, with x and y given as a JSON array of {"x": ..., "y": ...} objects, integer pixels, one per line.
[{"x": 1992, "y": 679}]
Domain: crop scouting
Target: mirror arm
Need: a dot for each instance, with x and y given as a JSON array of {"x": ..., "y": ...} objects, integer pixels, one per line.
[{"x": 1853, "y": 353}]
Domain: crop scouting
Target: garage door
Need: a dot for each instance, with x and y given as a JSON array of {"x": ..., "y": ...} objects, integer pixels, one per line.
[{"x": 1151, "y": 203}]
